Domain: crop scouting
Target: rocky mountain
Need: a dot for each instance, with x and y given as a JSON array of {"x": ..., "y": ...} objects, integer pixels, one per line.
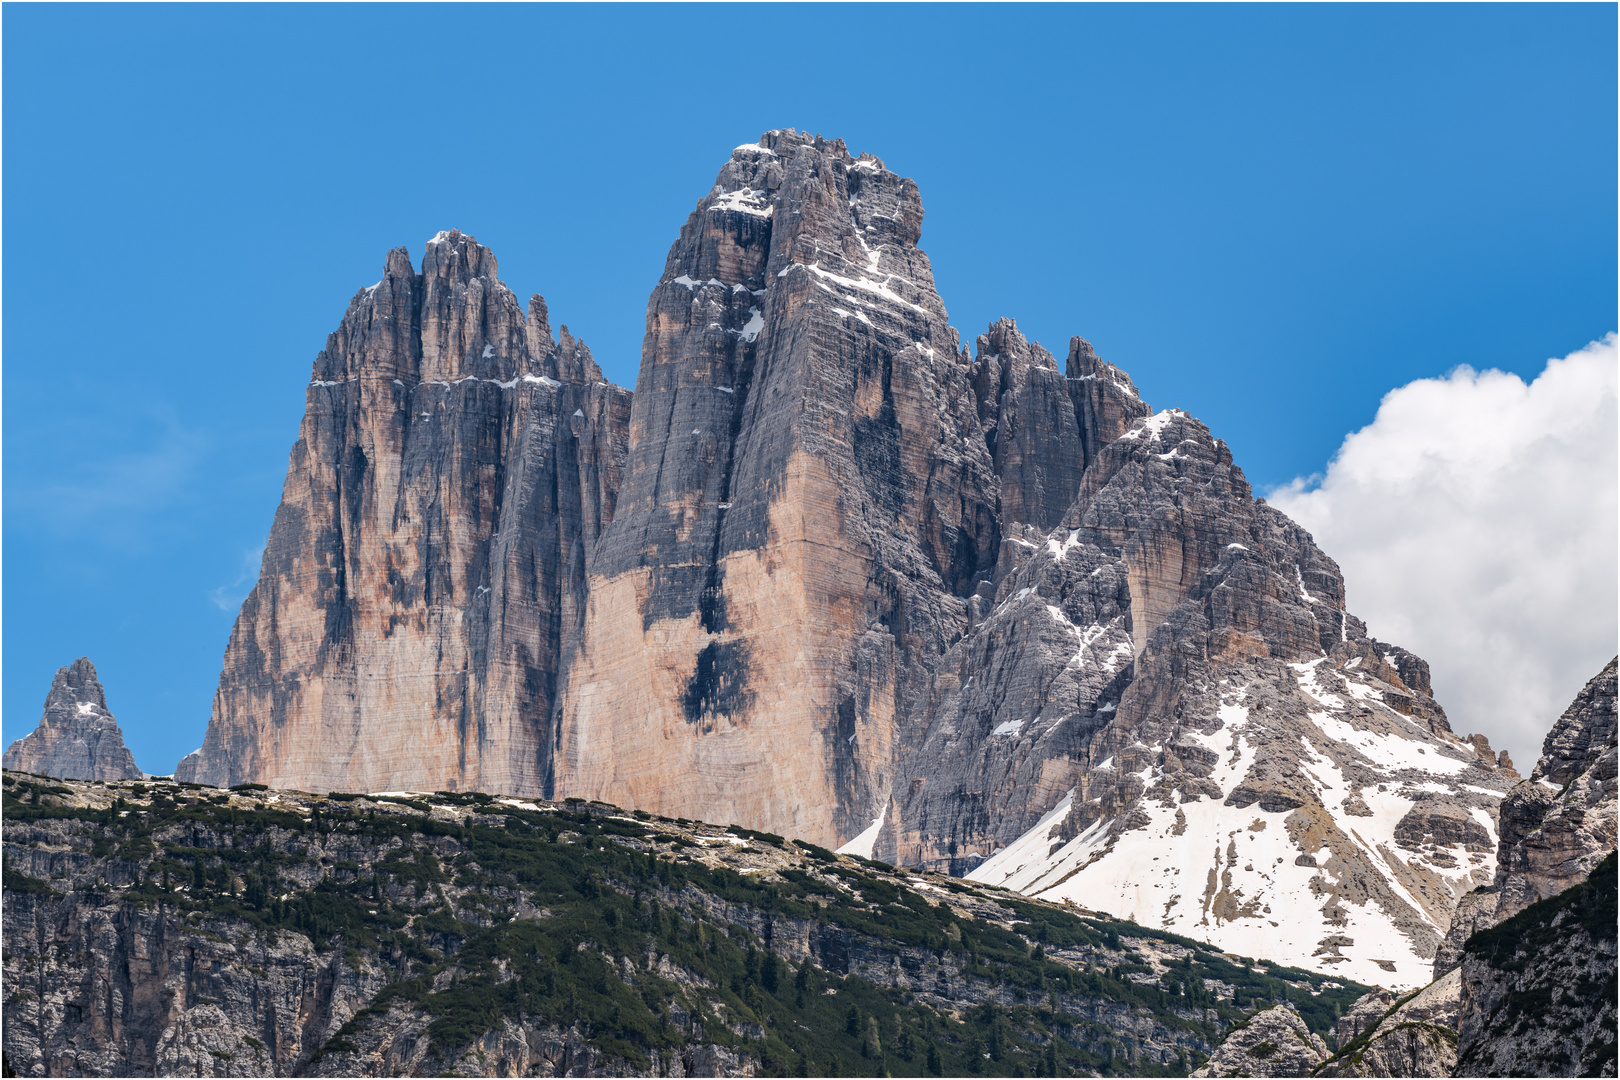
[
  {"x": 423, "y": 580},
  {"x": 171, "y": 929},
  {"x": 1258, "y": 771},
  {"x": 832, "y": 575},
  {"x": 77, "y": 737}
]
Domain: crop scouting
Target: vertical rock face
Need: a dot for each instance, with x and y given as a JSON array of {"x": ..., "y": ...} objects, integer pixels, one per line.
[
  {"x": 1557, "y": 825},
  {"x": 77, "y": 738},
  {"x": 424, "y": 575},
  {"x": 809, "y": 500}
]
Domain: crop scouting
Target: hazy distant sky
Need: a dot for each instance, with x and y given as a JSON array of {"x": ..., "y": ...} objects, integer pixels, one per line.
[{"x": 1270, "y": 216}]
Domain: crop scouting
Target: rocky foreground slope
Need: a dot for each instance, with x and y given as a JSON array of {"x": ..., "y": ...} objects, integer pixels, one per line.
[
  {"x": 77, "y": 737},
  {"x": 830, "y": 574},
  {"x": 183, "y": 931}
]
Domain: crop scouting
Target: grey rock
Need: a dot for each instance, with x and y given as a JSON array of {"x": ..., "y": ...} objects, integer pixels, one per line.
[
  {"x": 1418, "y": 1038},
  {"x": 1538, "y": 990},
  {"x": 1275, "y": 1042},
  {"x": 1173, "y": 669},
  {"x": 810, "y": 498},
  {"x": 77, "y": 737}
]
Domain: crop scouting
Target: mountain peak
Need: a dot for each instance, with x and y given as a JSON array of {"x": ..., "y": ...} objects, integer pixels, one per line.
[{"x": 77, "y": 737}]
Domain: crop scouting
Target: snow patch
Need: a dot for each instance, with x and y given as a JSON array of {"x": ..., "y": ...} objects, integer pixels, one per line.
[
  {"x": 862, "y": 844},
  {"x": 752, "y": 201}
]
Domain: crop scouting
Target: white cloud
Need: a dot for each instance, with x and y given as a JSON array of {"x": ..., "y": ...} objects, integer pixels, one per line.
[{"x": 1475, "y": 522}]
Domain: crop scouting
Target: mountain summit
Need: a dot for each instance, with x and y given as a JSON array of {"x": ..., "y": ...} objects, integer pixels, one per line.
[{"x": 831, "y": 574}]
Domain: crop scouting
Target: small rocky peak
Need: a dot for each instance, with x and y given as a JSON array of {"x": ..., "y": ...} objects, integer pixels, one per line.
[
  {"x": 397, "y": 266},
  {"x": 1001, "y": 365},
  {"x": 76, "y": 694},
  {"x": 77, "y": 737},
  {"x": 1084, "y": 363},
  {"x": 1274, "y": 1042},
  {"x": 1583, "y": 734},
  {"x": 1105, "y": 399},
  {"x": 539, "y": 326}
]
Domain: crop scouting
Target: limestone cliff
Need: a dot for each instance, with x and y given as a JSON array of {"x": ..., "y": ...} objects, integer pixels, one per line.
[
  {"x": 424, "y": 574},
  {"x": 77, "y": 737},
  {"x": 1538, "y": 991},
  {"x": 809, "y": 501}
]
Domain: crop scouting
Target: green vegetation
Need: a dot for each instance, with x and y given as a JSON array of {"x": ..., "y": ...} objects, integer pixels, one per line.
[
  {"x": 1589, "y": 906},
  {"x": 569, "y": 916},
  {"x": 1529, "y": 943}
]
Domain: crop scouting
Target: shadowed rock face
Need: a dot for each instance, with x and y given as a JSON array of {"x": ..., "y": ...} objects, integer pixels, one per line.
[
  {"x": 1538, "y": 990},
  {"x": 77, "y": 738},
  {"x": 424, "y": 576}
]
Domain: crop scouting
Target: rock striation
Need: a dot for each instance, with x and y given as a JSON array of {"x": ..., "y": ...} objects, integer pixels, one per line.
[
  {"x": 424, "y": 575},
  {"x": 810, "y": 499},
  {"x": 830, "y": 574},
  {"x": 77, "y": 737},
  {"x": 1558, "y": 824}
]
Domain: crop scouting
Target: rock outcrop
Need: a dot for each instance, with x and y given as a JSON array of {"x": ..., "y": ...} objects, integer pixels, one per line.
[
  {"x": 1557, "y": 825},
  {"x": 1275, "y": 1042},
  {"x": 1417, "y": 1037},
  {"x": 77, "y": 737},
  {"x": 831, "y": 575},
  {"x": 424, "y": 576},
  {"x": 1538, "y": 991}
]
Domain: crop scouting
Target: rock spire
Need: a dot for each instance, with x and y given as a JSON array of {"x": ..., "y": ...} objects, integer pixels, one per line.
[
  {"x": 77, "y": 737},
  {"x": 424, "y": 575}
]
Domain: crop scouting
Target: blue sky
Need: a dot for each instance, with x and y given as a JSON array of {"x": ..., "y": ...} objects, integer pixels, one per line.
[{"x": 1270, "y": 216}]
